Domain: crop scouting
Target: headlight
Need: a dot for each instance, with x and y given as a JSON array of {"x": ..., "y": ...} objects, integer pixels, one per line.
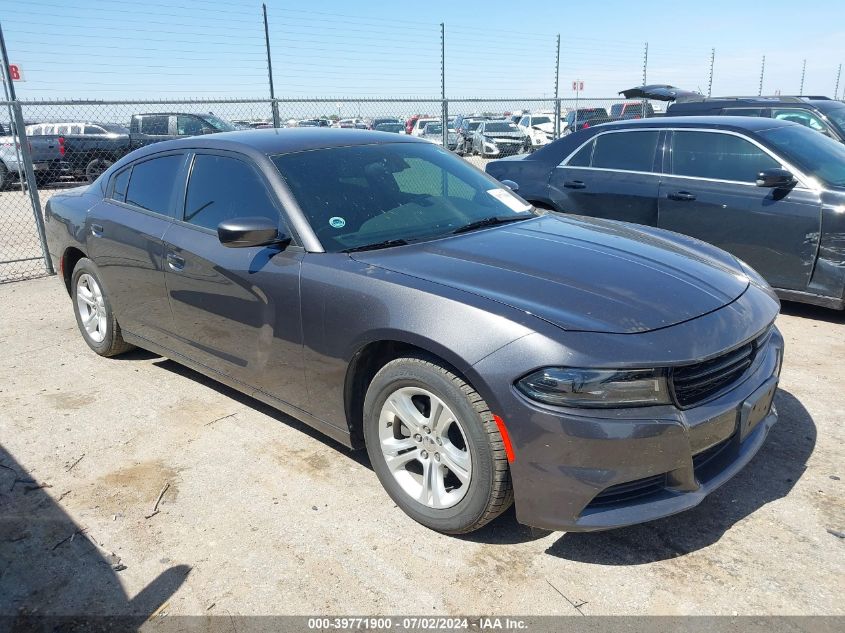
[{"x": 597, "y": 388}]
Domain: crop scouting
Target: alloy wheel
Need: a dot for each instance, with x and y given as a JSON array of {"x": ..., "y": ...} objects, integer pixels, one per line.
[
  {"x": 91, "y": 307},
  {"x": 425, "y": 447}
]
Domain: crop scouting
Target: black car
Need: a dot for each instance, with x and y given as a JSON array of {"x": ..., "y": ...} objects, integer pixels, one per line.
[
  {"x": 393, "y": 296},
  {"x": 770, "y": 192},
  {"x": 820, "y": 114},
  {"x": 575, "y": 119},
  {"x": 155, "y": 127}
]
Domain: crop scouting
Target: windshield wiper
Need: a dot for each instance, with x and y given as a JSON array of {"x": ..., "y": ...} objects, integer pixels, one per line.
[
  {"x": 376, "y": 245},
  {"x": 491, "y": 221}
]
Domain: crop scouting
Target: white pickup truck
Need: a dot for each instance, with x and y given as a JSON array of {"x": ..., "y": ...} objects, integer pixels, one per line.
[{"x": 47, "y": 155}]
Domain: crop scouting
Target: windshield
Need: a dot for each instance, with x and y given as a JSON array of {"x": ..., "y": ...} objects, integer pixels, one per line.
[
  {"x": 473, "y": 125},
  {"x": 366, "y": 194},
  {"x": 218, "y": 124},
  {"x": 433, "y": 128},
  {"x": 539, "y": 120},
  {"x": 816, "y": 154},
  {"x": 500, "y": 127}
]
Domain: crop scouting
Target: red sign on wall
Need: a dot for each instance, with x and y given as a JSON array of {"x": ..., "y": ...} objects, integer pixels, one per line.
[{"x": 15, "y": 72}]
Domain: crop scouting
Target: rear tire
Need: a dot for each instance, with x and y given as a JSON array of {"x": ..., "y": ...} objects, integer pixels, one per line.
[
  {"x": 5, "y": 177},
  {"x": 447, "y": 464},
  {"x": 94, "y": 314},
  {"x": 95, "y": 167}
]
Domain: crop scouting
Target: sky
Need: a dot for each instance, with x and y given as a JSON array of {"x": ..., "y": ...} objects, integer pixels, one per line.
[{"x": 163, "y": 49}]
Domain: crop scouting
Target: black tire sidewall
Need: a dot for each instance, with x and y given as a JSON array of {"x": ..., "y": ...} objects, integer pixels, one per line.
[
  {"x": 86, "y": 266},
  {"x": 413, "y": 373}
]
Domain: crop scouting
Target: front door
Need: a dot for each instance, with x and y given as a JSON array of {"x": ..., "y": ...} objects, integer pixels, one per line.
[
  {"x": 710, "y": 193},
  {"x": 236, "y": 310},
  {"x": 611, "y": 177}
]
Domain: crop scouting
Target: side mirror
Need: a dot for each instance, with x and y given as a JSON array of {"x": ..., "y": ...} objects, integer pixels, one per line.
[
  {"x": 249, "y": 231},
  {"x": 510, "y": 184},
  {"x": 775, "y": 178}
]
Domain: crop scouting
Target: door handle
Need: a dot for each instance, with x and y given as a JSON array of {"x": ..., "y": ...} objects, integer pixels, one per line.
[
  {"x": 96, "y": 230},
  {"x": 175, "y": 262},
  {"x": 683, "y": 196},
  {"x": 575, "y": 184}
]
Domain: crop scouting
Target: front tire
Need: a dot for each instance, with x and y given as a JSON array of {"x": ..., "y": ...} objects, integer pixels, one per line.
[
  {"x": 94, "y": 314},
  {"x": 435, "y": 447},
  {"x": 95, "y": 167}
]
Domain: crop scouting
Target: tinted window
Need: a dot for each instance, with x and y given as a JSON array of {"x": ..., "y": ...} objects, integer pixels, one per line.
[
  {"x": 152, "y": 182},
  {"x": 583, "y": 157},
  {"x": 120, "y": 182},
  {"x": 743, "y": 111},
  {"x": 815, "y": 154},
  {"x": 801, "y": 117},
  {"x": 718, "y": 156},
  {"x": 189, "y": 125},
  {"x": 499, "y": 126},
  {"x": 631, "y": 151},
  {"x": 154, "y": 124},
  {"x": 93, "y": 129},
  {"x": 222, "y": 188}
]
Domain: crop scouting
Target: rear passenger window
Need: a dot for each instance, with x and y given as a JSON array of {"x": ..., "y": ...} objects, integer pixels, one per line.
[
  {"x": 120, "y": 183},
  {"x": 628, "y": 151},
  {"x": 222, "y": 188},
  {"x": 152, "y": 182},
  {"x": 156, "y": 125},
  {"x": 718, "y": 156},
  {"x": 583, "y": 156}
]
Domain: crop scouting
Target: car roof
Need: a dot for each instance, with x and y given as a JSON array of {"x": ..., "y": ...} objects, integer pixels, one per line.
[
  {"x": 281, "y": 140},
  {"x": 743, "y": 123}
]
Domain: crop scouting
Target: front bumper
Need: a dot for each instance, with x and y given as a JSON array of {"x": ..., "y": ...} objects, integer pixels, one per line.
[{"x": 586, "y": 470}]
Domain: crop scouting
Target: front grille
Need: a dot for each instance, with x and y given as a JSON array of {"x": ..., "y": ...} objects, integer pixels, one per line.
[
  {"x": 621, "y": 493},
  {"x": 692, "y": 384}
]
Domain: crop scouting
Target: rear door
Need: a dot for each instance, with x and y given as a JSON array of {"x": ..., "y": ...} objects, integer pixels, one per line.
[
  {"x": 611, "y": 176},
  {"x": 124, "y": 234},
  {"x": 236, "y": 310},
  {"x": 709, "y": 192}
]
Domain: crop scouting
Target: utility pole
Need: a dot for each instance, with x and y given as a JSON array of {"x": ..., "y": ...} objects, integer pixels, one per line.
[
  {"x": 444, "y": 105},
  {"x": 762, "y": 74},
  {"x": 712, "y": 63},
  {"x": 29, "y": 172},
  {"x": 274, "y": 106},
  {"x": 803, "y": 72},
  {"x": 836, "y": 89},
  {"x": 557, "y": 88}
]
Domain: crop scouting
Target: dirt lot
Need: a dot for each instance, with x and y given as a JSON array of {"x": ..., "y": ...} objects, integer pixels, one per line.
[{"x": 263, "y": 515}]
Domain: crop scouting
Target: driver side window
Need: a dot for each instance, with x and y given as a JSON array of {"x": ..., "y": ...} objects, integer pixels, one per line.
[{"x": 222, "y": 188}]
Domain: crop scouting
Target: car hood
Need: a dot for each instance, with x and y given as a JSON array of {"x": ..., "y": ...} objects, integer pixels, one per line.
[{"x": 579, "y": 274}]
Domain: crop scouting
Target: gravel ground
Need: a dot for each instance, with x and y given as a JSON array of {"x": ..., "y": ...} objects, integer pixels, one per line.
[{"x": 136, "y": 485}]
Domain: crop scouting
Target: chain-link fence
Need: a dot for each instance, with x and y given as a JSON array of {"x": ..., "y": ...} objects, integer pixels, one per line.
[{"x": 69, "y": 143}]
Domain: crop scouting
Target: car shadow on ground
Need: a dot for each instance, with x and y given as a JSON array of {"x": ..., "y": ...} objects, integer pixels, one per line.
[
  {"x": 808, "y": 311},
  {"x": 51, "y": 567},
  {"x": 769, "y": 476},
  {"x": 357, "y": 456}
]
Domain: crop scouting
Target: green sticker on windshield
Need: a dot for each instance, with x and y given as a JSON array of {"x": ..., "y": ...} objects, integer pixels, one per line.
[{"x": 337, "y": 222}]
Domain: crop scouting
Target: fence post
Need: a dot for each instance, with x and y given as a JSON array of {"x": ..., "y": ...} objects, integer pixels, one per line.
[
  {"x": 712, "y": 64},
  {"x": 274, "y": 105},
  {"x": 20, "y": 132},
  {"x": 762, "y": 73},
  {"x": 557, "y": 89},
  {"x": 645, "y": 77},
  {"x": 803, "y": 72},
  {"x": 444, "y": 105}
]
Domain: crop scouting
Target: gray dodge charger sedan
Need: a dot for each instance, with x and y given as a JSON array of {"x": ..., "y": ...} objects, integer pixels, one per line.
[{"x": 394, "y": 297}]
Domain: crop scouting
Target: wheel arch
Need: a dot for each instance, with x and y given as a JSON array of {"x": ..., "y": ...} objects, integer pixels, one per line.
[
  {"x": 371, "y": 356},
  {"x": 68, "y": 262}
]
